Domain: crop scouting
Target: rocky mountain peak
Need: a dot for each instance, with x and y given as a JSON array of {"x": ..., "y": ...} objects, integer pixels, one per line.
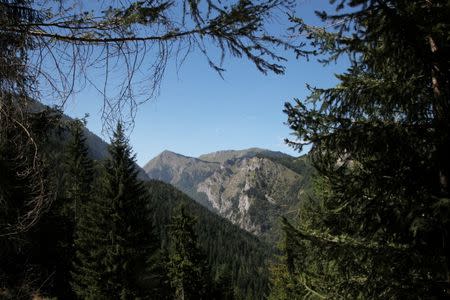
[{"x": 168, "y": 154}]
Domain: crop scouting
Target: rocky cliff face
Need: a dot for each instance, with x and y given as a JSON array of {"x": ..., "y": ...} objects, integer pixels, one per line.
[{"x": 251, "y": 188}]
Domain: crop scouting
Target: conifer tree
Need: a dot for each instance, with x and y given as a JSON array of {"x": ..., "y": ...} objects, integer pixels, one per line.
[
  {"x": 76, "y": 193},
  {"x": 187, "y": 266},
  {"x": 90, "y": 243},
  {"x": 378, "y": 225},
  {"x": 80, "y": 173},
  {"x": 116, "y": 242}
]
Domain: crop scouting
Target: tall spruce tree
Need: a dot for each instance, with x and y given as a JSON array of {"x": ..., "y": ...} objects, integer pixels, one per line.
[
  {"x": 378, "y": 226},
  {"x": 187, "y": 266},
  {"x": 115, "y": 242}
]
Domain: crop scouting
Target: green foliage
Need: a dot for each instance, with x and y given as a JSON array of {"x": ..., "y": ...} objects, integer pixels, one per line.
[
  {"x": 79, "y": 172},
  {"x": 83, "y": 209},
  {"x": 71, "y": 182},
  {"x": 187, "y": 266},
  {"x": 72, "y": 237},
  {"x": 232, "y": 254},
  {"x": 378, "y": 225},
  {"x": 283, "y": 286},
  {"x": 114, "y": 239}
]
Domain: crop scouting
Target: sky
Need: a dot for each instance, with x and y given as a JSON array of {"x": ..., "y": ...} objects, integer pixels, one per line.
[{"x": 198, "y": 112}]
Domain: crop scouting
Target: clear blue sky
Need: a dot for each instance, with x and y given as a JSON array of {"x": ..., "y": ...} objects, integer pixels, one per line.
[{"x": 198, "y": 112}]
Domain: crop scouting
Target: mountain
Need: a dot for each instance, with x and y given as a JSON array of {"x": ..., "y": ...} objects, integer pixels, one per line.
[{"x": 252, "y": 188}]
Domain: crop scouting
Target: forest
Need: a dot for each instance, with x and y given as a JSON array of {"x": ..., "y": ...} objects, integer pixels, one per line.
[{"x": 374, "y": 224}]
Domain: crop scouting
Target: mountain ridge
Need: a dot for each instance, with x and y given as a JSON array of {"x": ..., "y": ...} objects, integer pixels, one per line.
[{"x": 252, "y": 188}]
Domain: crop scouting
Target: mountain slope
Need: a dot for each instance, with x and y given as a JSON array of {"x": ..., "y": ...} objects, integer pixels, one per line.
[
  {"x": 252, "y": 188},
  {"x": 230, "y": 250},
  {"x": 98, "y": 148}
]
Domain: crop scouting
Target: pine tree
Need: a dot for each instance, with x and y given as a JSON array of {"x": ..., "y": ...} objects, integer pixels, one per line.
[
  {"x": 187, "y": 266},
  {"x": 378, "y": 225},
  {"x": 115, "y": 242}
]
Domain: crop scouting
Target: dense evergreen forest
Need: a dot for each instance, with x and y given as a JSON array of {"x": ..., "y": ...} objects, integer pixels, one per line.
[
  {"x": 375, "y": 225},
  {"x": 232, "y": 253},
  {"x": 107, "y": 233}
]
